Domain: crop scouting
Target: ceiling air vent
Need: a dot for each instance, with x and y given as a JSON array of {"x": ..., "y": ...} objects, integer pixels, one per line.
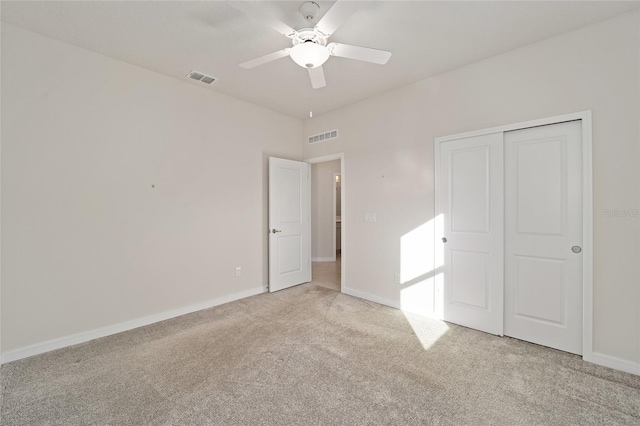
[
  {"x": 203, "y": 78},
  {"x": 333, "y": 134}
]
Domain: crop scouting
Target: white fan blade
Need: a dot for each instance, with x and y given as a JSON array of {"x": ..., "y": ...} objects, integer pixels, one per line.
[
  {"x": 317, "y": 77},
  {"x": 261, "y": 16},
  {"x": 266, "y": 58},
  {"x": 335, "y": 16},
  {"x": 360, "y": 53}
]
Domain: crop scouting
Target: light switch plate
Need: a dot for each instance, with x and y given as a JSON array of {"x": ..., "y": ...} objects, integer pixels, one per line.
[{"x": 369, "y": 217}]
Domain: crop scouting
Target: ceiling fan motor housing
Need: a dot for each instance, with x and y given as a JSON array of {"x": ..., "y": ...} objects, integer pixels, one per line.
[{"x": 306, "y": 35}]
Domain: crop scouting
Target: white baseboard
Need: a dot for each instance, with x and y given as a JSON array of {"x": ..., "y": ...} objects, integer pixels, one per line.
[
  {"x": 371, "y": 297},
  {"x": 323, "y": 259},
  {"x": 615, "y": 363},
  {"x": 74, "y": 339}
]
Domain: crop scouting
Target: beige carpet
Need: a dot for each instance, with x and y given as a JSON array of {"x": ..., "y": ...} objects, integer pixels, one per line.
[{"x": 312, "y": 356}]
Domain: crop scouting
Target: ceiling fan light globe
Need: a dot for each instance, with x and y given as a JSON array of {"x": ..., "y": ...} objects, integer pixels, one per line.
[{"x": 309, "y": 54}]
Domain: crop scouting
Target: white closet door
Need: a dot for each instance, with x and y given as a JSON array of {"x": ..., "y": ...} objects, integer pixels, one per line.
[
  {"x": 471, "y": 200},
  {"x": 543, "y": 263}
]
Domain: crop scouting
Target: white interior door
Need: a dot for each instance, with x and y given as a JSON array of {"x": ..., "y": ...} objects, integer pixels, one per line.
[
  {"x": 289, "y": 223},
  {"x": 543, "y": 264},
  {"x": 471, "y": 200}
]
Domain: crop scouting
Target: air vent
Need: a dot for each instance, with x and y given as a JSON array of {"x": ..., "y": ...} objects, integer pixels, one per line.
[
  {"x": 333, "y": 134},
  {"x": 203, "y": 78}
]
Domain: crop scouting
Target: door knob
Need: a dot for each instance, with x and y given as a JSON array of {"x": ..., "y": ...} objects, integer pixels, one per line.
[
  {"x": 275, "y": 230},
  {"x": 444, "y": 239},
  {"x": 576, "y": 249}
]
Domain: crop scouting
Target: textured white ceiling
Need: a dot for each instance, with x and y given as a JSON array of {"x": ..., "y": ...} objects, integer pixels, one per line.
[{"x": 426, "y": 38}]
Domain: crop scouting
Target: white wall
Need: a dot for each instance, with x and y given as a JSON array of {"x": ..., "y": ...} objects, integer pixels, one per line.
[
  {"x": 87, "y": 240},
  {"x": 388, "y": 146},
  {"x": 322, "y": 213}
]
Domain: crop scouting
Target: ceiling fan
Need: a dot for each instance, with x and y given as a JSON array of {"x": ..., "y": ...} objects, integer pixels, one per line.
[{"x": 310, "y": 49}]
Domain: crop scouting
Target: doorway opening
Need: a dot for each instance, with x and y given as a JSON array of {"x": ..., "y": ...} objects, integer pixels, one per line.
[{"x": 327, "y": 213}]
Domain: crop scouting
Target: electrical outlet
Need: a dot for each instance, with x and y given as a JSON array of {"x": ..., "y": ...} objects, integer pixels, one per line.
[{"x": 238, "y": 271}]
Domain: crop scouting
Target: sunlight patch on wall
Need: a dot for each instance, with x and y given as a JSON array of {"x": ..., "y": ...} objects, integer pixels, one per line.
[
  {"x": 418, "y": 298},
  {"x": 420, "y": 280},
  {"x": 417, "y": 252}
]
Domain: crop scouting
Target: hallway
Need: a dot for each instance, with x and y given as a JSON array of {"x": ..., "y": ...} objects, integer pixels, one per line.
[{"x": 327, "y": 274}]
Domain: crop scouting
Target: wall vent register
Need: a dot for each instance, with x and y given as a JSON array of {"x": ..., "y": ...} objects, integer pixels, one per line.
[{"x": 321, "y": 137}]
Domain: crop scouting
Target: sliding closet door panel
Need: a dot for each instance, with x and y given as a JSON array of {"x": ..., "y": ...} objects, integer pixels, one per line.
[
  {"x": 543, "y": 263},
  {"x": 471, "y": 200}
]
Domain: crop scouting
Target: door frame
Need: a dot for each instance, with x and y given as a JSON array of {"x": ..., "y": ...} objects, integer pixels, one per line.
[
  {"x": 335, "y": 216},
  {"x": 587, "y": 205},
  {"x": 343, "y": 239}
]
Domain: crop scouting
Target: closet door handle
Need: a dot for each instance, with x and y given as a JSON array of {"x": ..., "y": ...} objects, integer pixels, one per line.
[
  {"x": 275, "y": 230},
  {"x": 444, "y": 239}
]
